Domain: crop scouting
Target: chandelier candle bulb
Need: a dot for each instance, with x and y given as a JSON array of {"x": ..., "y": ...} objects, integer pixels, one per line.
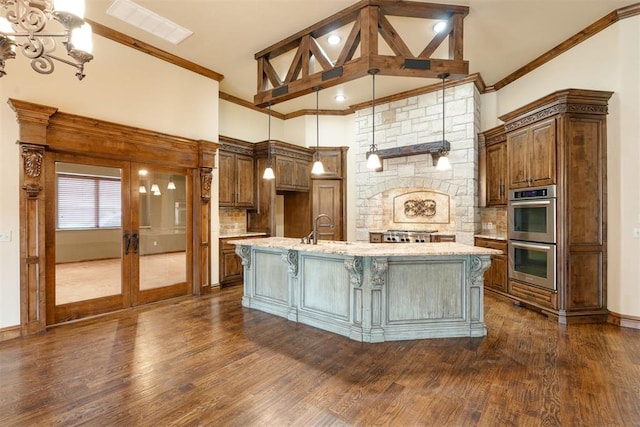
[
  {"x": 5, "y": 27},
  {"x": 81, "y": 38}
]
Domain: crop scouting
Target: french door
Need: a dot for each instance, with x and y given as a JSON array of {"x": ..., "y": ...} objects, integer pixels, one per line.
[{"x": 120, "y": 235}]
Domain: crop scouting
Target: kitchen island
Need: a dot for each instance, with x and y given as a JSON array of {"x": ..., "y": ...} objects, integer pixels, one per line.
[{"x": 368, "y": 292}]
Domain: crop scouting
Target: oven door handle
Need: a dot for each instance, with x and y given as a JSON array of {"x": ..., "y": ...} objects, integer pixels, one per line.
[
  {"x": 530, "y": 203},
  {"x": 530, "y": 246}
]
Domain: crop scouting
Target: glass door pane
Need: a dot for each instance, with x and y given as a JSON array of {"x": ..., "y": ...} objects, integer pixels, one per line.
[
  {"x": 88, "y": 236},
  {"x": 162, "y": 208}
]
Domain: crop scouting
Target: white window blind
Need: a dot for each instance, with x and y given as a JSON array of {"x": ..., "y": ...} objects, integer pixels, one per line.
[{"x": 88, "y": 202}]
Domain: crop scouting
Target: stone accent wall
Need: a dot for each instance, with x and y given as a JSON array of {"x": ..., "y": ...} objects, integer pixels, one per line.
[{"x": 412, "y": 121}]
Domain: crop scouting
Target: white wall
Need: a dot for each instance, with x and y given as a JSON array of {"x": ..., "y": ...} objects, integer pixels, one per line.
[
  {"x": 123, "y": 86},
  {"x": 247, "y": 124},
  {"x": 608, "y": 61}
]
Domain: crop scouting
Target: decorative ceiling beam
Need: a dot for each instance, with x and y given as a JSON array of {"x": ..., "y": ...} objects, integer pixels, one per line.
[{"x": 369, "y": 22}]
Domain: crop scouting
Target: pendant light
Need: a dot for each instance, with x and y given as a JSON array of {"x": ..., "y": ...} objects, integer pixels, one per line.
[
  {"x": 373, "y": 158},
  {"x": 155, "y": 190},
  {"x": 268, "y": 172},
  {"x": 443, "y": 160},
  {"x": 318, "y": 168},
  {"x": 171, "y": 185}
]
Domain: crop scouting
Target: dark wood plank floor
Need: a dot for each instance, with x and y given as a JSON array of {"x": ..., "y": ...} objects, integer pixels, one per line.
[{"x": 208, "y": 361}]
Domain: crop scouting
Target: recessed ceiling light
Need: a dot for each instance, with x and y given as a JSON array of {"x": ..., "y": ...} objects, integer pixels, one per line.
[
  {"x": 334, "y": 39},
  {"x": 143, "y": 18},
  {"x": 339, "y": 98},
  {"x": 440, "y": 26}
]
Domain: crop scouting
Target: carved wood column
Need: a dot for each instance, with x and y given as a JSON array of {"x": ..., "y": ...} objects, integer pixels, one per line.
[
  {"x": 202, "y": 217},
  {"x": 32, "y": 139}
]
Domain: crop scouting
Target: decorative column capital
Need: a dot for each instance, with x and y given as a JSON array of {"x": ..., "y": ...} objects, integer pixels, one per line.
[
  {"x": 291, "y": 258},
  {"x": 32, "y": 158},
  {"x": 355, "y": 269},
  {"x": 379, "y": 268},
  {"x": 206, "y": 178},
  {"x": 244, "y": 252},
  {"x": 478, "y": 266}
]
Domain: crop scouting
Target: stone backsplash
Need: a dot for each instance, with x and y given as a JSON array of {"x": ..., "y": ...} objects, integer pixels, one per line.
[
  {"x": 493, "y": 220},
  {"x": 232, "y": 221}
]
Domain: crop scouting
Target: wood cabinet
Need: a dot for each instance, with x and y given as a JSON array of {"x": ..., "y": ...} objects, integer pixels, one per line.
[
  {"x": 440, "y": 238},
  {"x": 334, "y": 161},
  {"x": 291, "y": 164},
  {"x": 327, "y": 199},
  {"x": 532, "y": 155},
  {"x": 292, "y": 174},
  {"x": 495, "y": 277},
  {"x": 493, "y": 166},
  {"x": 231, "y": 269},
  {"x": 236, "y": 171},
  {"x": 568, "y": 126},
  {"x": 328, "y": 195}
]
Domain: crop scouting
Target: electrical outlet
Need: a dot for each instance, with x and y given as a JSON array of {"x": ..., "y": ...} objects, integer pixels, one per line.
[
  {"x": 5, "y": 236},
  {"x": 636, "y": 233}
]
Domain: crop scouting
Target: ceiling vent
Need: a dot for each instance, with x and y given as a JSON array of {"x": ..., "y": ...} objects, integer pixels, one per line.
[{"x": 143, "y": 18}]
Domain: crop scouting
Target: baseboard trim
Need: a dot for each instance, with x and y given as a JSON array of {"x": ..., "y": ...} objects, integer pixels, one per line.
[
  {"x": 9, "y": 333},
  {"x": 624, "y": 321}
]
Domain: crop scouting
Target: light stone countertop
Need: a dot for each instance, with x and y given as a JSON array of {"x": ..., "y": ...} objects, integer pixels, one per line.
[
  {"x": 238, "y": 235},
  {"x": 492, "y": 236},
  {"x": 369, "y": 249}
]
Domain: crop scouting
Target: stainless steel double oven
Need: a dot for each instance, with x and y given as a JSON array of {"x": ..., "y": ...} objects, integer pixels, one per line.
[{"x": 532, "y": 236}]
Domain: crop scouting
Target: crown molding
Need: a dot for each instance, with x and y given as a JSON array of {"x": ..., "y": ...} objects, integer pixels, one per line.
[
  {"x": 118, "y": 37},
  {"x": 593, "y": 29}
]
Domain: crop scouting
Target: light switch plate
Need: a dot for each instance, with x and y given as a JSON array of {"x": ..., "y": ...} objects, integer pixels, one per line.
[{"x": 5, "y": 236}]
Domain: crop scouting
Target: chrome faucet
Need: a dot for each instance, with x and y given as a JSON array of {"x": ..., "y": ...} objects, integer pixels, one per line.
[{"x": 314, "y": 233}]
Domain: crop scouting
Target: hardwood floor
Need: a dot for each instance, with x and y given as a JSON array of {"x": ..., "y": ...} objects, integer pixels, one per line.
[
  {"x": 208, "y": 361},
  {"x": 83, "y": 280}
]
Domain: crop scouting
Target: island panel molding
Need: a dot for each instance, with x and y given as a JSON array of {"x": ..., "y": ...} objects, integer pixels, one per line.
[{"x": 369, "y": 292}]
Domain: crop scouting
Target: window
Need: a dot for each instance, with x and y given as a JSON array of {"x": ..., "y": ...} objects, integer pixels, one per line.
[{"x": 88, "y": 202}]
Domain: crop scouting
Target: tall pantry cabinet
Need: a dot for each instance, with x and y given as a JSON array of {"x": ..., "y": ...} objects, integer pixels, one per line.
[{"x": 562, "y": 139}]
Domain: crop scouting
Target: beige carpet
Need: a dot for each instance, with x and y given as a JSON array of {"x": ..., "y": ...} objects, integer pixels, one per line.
[{"x": 79, "y": 281}]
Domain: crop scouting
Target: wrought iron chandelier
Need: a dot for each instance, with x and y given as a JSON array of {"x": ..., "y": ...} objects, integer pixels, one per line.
[{"x": 26, "y": 24}]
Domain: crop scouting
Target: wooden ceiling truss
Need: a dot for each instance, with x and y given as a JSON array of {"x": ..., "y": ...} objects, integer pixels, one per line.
[{"x": 369, "y": 18}]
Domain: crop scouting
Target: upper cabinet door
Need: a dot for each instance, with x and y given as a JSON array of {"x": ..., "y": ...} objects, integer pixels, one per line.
[
  {"x": 236, "y": 180},
  {"x": 226, "y": 178},
  {"x": 518, "y": 154},
  {"x": 496, "y": 174},
  {"x": 245, "y": 181},
  {"x": 543, "y": 153},
  {"x": 532, "y": 155}
]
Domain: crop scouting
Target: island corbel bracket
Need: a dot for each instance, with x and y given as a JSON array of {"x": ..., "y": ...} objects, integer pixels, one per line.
[{"x": 311, "y": 66}]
